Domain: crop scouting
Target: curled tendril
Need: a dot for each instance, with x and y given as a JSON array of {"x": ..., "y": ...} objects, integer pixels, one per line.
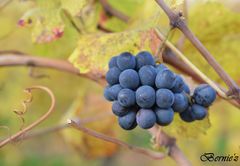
[
  {"x": 21, "y": 113},
  {"x": 36, "y": 122}
]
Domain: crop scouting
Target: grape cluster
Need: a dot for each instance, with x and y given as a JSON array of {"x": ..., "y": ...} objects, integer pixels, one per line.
[{"x": 145, "y": 93}]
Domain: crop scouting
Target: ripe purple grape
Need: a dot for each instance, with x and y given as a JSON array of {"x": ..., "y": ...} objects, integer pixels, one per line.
[
  {"x": 126, "y": 61},
  {"x": 111, "y": 92},
  {"x": 128, "y": 121},
  {"x": 204, "y": 95},
  {"x": 165, "y": 79},
  {"x": 147, "y": 75},
  {"x": 129, "y": 79},
  {"x": 112, "y": 75},
  {"x": 180, "y": 102},
  {"x": 164, "y": 98},
  {"x": 164, "y": 116},
  {"x": 126, "y": 97},
  {"x": 144, "y": 58},
  {"x": 145, "y": 96},
  {"x": 146, "y": 118}
]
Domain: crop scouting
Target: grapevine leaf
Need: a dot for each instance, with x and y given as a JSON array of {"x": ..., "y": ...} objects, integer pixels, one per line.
[
  {"x": 83, "y": 107},
  {"x": 221, "y": 38},
  {"x": 95, "y": 50},
  {"x": 74, "y": 7}
]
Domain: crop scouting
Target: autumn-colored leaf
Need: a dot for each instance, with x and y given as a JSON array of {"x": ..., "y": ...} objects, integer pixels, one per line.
[
  {"x": 95, "y": 50},
  {"x": 91, "y": 106}
]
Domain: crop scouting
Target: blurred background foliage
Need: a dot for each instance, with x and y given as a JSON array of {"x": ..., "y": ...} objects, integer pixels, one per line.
[{"x": 69, "y": 30}]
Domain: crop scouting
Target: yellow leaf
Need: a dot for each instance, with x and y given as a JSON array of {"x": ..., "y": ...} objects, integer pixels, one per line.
[
  {"x": 217, "y": 27},
  {"x": 94, "y": 51}
]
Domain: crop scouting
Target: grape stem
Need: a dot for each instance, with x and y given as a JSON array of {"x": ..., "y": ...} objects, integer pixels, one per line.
[{"x": 177, "y": 21}]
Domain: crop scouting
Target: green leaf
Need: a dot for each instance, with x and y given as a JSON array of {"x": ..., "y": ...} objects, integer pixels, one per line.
[
  {"x": 74, "y": 7},
  {"x": 94, "y": 51},
  {"x": 179, "y": 128},
  {"x": 47, "y": 23}
]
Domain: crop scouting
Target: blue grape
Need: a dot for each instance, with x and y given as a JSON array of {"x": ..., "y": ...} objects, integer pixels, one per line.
[
  {"x": 198, "y": 112},
  {"x": 146, "y": 118},
  {"x": 111, "y": 92},
  {"x": 204, "y": 95},
  {"x": 165, "y": 79},
  {"x": 145, "y": 96},
  {"x": 164, "y": 116},
  {"x": 119, "y": 110},
  {"x": 147, "y": 75},
  {"x": 186, "y": 89},
  {"x": 113, "y": 62},
  {"x": 112, "y": 75},
  {"x": 164, "y": 98},
  {"x": 126, "y": 61},
  {"x": 161, "y": 67},
  {"x": 128, "y": 121},
  {"x": 187, "y": 115},
  {"x": 129, "y": 79},
  {"x": 180, "y": 102},
  {"x": 178, "y": 86},
  {"x": 144, "y": 58},
  {"x": 126, "y": 97}
]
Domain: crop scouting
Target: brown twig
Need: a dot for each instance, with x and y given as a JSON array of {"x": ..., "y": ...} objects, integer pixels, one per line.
[
  {"x": 177, "y": 21},
  {"x": 38, "y": 121},
  {"x": 11, "y": 59},
  {"x": 59, "y": 127},
  {"x": 108, "y": 8},
  {"x": 165, "y": 140},
  {"x": 149, "y": 153}
]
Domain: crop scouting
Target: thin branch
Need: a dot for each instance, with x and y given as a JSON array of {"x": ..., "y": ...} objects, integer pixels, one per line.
[
  {"x": 113, "y": 11},
  {"x": 194, "y": 68},
  {"x": 175, "y": 153},
  {"x": 12, "y": 59},
  {"x": 170, "y": 57},
  {"x": 149, "y": 153},
  {"x": 178, "y": 22},
  {"x": 38, "y": 121},
  {"x": 59, "y": 127}
]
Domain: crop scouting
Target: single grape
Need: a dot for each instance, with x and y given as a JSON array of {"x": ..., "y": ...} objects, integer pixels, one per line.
[
  {"x": 112, "y": 75},
  {"x": 145, "y": 96},
  {"x": 111, "y": 92},
  {"x": 146, "y": 118},
  {"x": 198, "y": 112},
  {"x": 128, "y": 121},
  {"x": 187, "y": 115},
  {"x": 126, "y": 97},
  {"x": 129, "y": 79},
  {"x": 178, "y": 86},
  {"x": 204, "y": 95},
  {"x": 147, "y": 75},
  {"x": 180, "y": 102},
  {"x": 119, "y": 110},
  {"x": 164, "y": 98},
  {"x": 144, "y": 58},
  {"x": 161, "y": 67},
  {"x": 165, "y": 79},
  {"x": 113, "y": 62},
  {"x": 186, "y": 89},
  {"x": 164, "y": 116},
  {"x": 126, "y": 61}
]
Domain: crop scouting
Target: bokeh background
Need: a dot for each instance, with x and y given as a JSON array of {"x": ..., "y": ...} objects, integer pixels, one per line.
[{"x": 216, "y": 23}]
